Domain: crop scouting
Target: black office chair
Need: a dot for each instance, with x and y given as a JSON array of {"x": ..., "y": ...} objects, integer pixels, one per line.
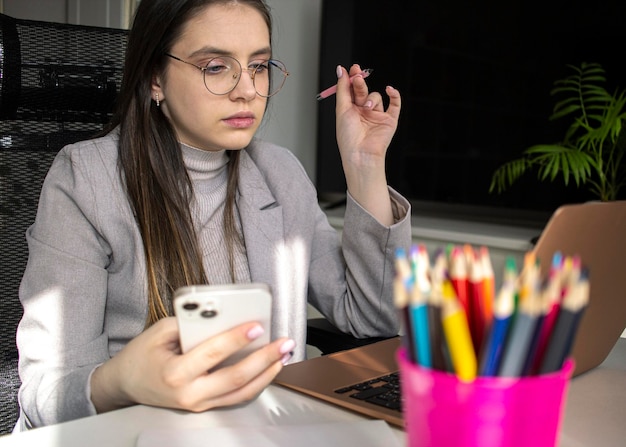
[
  {"x": 328, "y": 339},
  {"x": 58, "y": 85}
]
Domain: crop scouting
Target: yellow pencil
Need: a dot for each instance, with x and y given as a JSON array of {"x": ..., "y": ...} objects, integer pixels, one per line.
[{"x": 458, "y": 337}]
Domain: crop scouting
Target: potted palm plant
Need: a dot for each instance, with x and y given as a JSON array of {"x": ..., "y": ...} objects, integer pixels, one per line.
[{"x": 593, "y": 148}]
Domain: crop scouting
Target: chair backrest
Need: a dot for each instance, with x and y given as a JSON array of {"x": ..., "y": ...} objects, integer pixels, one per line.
[{"x": 58, "y": 84}]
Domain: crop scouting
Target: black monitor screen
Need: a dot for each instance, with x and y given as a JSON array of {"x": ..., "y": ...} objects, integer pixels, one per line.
[{"x": 475, "y": 79}]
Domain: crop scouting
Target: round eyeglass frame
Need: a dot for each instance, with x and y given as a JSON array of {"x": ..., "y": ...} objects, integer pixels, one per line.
[{"x": 251, "y": 71}]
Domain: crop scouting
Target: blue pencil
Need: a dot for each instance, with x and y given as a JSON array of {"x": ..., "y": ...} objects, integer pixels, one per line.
[
  {"x": 504, "y": 307},
  {"x": 419, "y": 323}
]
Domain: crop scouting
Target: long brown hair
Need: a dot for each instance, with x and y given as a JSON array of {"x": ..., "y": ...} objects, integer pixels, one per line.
[{"x": 150, "y": 160}]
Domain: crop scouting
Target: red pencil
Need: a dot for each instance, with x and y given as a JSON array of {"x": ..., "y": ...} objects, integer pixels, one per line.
[
  {"x": 551, "y": 296},
  {"x": 458, "y": 277},
  {"x": 476, "y": 299}
]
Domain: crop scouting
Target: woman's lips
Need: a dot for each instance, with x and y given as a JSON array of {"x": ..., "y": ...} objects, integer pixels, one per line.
[{"x": 240, "y": 121}]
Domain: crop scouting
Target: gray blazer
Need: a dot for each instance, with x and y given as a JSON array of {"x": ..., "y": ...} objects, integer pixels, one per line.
[{"x": 84, "y": 288}]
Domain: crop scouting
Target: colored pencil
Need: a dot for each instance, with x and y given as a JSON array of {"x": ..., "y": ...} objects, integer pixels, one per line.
[
  {"x": 439, "y": 270},
  {"x": 527, "y": 367},
  {"x": 437, "y": 340},
  {"x": 520, "y": 337},
  {"x": 401, "y": 285},
  {"x": 418, "y": 305},
  {"x": 419, "y": 321},
  {"x": 458, "y": 277},
  {"x": 552, "y": 303},
  {"x": 489, "y": 284},
  {"x": 564, "y": 333},
  {"x": 476, "y": 299},
  {"x": 439, "y": 351},
  {"x": 457, "y": 334},
  {"x": 529, "y": 276},
  {"x": 496, "y": 339},
  {"x": 420, "y": 265}
]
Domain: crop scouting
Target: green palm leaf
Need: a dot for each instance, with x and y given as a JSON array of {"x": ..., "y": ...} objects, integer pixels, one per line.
[{"x": 594, "y": 144}]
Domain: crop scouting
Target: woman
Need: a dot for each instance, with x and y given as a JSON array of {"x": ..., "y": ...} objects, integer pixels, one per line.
[{"x": 179, "y": 192}]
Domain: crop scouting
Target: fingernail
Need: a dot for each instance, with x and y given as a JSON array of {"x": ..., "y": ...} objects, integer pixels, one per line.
[
  {"x": 339, "y": 71},
  {"x": 255, "y": 332},
  {"x": 287, "y": 346},
  {"x": 368, "y": 104},
  {"x": 286, "y": 358}
]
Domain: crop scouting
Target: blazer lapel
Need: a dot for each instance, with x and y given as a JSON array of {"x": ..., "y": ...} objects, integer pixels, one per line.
[{"x": 261, "y": 220}]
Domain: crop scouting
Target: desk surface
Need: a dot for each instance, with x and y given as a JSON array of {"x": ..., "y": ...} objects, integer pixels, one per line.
[{"x": 594, "y": 415}]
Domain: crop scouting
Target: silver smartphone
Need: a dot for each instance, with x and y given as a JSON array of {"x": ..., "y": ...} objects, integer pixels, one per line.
[{"x": 207, "y": 310}]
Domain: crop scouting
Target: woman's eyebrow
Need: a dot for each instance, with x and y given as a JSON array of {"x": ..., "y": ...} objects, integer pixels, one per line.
[{"x": 210, "y": 51}]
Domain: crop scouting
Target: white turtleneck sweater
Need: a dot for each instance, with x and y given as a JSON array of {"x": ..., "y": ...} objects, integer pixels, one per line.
[{"x": 208, "y": 172}]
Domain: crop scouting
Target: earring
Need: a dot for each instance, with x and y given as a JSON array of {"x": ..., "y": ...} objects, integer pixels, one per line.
[{"x": 158, "y": 102}]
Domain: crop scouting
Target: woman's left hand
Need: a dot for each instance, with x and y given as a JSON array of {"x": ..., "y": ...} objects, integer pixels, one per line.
[{"x": 364, "y": 131}]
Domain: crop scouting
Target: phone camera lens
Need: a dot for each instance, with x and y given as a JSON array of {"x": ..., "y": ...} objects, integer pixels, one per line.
[
  {"x": 208, "y": 313},
  {"x": 190, "y": 306}
]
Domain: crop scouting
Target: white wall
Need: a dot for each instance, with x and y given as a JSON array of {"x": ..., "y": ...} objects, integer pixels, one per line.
[
  {"x": 109, "y": 13},
  {"x": 292, "y": 116},
  {"x": 47, "y": 10}
]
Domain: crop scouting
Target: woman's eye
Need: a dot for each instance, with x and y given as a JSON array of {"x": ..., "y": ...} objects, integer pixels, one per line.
[
  {"x": 259, "y": 67},
  {"x": 217, "y": 67}
]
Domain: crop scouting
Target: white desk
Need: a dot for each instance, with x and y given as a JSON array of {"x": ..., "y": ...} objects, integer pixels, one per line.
[{"x": 594, "y": 415}]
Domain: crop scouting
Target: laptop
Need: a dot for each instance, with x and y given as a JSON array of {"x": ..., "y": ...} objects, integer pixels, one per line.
[
  {"x": 323, "y": 376},
  {"x": 595, "y": 231}
]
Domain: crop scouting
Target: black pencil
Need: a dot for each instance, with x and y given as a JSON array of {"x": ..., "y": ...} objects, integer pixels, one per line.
[
  {"x": 437, "y": 340},
  {"x": 562, "y": 337},
  {"x": 439, "y": 347}
]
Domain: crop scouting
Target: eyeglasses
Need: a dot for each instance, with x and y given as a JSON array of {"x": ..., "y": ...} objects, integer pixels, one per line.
[{"x": 221, "y": 75}]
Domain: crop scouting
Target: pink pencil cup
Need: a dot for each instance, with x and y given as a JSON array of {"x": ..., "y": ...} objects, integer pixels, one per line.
[{"x": 442, "y": 411}]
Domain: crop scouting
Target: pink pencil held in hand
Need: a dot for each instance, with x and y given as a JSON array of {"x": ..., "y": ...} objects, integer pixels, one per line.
[{"x": 332, "y": 90}]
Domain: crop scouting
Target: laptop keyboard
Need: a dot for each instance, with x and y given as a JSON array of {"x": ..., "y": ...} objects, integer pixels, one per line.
[{"x": 383, "y": 391}]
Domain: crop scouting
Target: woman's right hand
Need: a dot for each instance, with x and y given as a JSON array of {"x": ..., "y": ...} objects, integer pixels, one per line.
[{"x": 151, "y": 370}]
